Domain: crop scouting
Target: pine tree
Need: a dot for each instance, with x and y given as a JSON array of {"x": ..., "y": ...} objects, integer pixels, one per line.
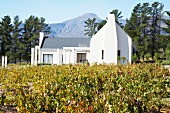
[
  {"x": 144, "y": 27},
  {"x": 17, "y": 40},
  {"x": 90, "y": 26},
  {"x": 44, "y": 27},
  {"x": 156, "y": 16},
  {"x": 6, "y": 39},
  {"x": 33, "y": 25},
  {"x": 101, "y": 24},
  {"x": 133, "y": 29},
  {"x": 144, "y": 22},
  {"x": 165, "y": 39}
]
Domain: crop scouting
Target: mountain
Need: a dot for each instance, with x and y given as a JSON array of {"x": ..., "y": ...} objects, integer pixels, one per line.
[
  {"x": 123, "y": 21},
  {"x": 73, "y": 27}
]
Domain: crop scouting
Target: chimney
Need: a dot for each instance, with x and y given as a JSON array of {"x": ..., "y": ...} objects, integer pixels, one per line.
[
  {"x": 111, "y": 18},
  {"x": 41, "y": 37}
]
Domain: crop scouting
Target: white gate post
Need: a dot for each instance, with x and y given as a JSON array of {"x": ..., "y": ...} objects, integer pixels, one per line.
[
  {"x": 3, "y": 61},
  {"x": 32, "y": 56}
]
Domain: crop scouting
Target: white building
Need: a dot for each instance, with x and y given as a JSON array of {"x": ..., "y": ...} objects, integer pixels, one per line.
[
  {"x": 109, "y": 43},
  {"x": 61, "y": 50},
  {"x": 104, "y": 47}
]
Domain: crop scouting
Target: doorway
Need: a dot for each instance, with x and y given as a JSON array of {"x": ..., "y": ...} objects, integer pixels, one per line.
[{"x": 81, "y": 57}]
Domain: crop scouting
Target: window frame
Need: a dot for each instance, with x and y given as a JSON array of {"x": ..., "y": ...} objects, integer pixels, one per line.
[{"x": 48, "y": 58}]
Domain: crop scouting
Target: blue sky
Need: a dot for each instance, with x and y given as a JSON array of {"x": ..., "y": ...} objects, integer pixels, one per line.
[{"x": 55, "y": 11}]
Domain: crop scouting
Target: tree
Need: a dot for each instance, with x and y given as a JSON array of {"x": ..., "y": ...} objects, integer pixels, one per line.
[
  {"x": 117, "y": 16},
  {"x": 165, "y": 39},
  {"x": 101, "y": 24},
  {"x": 6, "y": 39},
  {"x": 90, "y": 26},
  {"x": 33, "y": 25},
  {"x": 144, "y": 22},
  {"x": 154, "y": 26},
  {"x": 144, "y": 27},
  {"x": 17, "y": 40},
  {"x": 133, "y": 29}
]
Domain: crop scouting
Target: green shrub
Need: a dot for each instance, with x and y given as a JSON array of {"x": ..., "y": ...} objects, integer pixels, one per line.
[
  {"x": 134, "y": 58},
  {"x": 165, "y": 62}
]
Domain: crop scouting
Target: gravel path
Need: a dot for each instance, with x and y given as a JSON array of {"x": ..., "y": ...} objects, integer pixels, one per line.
[{"x": 7, "y": 109}]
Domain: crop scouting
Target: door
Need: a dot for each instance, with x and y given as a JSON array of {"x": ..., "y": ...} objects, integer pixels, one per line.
[{"x": 81, "y": 57}]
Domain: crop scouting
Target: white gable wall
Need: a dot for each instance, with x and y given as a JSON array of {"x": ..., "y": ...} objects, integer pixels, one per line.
[
  {"x": 110, "y": 38},
  {"x": 97, "y": 45},
  {"x": 130, "y": 49},
  {"x": 124, "y": 44},
  {"x": 105, "y": 39},
  {"x": 110, "y": 41},
  {"x": 88, "y": 56}
]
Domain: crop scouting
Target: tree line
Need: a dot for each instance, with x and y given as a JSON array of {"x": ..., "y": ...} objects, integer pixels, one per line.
[
  {"x": 145, "y": 28},
  {"x": 18, "y": 37}
]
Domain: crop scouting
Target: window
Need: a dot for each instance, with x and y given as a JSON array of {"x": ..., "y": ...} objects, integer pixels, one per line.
[
  {"x": 102, "y": 54},
  {"x": 48, "y": 58},
  {"x": 118, "y": 53}
]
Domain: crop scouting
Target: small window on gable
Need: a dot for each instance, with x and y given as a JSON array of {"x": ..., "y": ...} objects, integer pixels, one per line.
[
  {"x": 118, "y": 53},
  {"x": 102, "y": 54}
]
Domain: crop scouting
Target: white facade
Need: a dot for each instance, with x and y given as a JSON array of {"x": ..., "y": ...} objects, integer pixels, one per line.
[
  {"x": 105, "y": 47},
  {"x": 67, "y": 55},
  {"x": 108, "y": 41}
]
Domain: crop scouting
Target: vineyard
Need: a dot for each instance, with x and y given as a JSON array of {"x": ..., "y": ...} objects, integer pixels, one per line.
[{"x": 83, "y": 88}]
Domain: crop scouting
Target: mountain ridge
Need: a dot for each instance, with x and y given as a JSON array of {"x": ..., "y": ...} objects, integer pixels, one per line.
[{"x": 75, "y": 27}]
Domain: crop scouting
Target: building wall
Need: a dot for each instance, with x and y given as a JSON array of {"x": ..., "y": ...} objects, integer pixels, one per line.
[
  {"x": 55, "y": 54},
  {"x": 97, "y": 45},
  {"x": 124, "y": 44},
  {"x": 110, "y": 39},
  {"x": 67, "y": 56},
  {"x": 105, "y": 39},
  {"x": 88, "y": 56},
  {"x": 72, "y": 57}
]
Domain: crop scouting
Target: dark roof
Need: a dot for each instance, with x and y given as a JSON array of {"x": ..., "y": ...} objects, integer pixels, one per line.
[{"x": 65, "y": 42}]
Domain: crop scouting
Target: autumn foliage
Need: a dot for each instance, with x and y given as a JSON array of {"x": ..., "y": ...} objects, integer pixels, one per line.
[{"x": 84, "y": 88}]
